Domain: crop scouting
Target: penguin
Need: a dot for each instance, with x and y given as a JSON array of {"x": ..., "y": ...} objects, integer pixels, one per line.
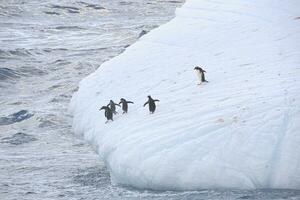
[
  {"x": 152, "y": 105},
  {"x": 124, "y": 103},
  {"x": 108, "y": 113},
  {"x": 112, "y": 106},
  {"x": 200, "y": 73}
]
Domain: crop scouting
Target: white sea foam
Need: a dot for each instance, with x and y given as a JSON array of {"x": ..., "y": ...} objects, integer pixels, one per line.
[{"x": 240, "y": 130}]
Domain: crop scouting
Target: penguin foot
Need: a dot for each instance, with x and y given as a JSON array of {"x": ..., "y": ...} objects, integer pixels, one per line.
[{"x": 108, "y": 121}]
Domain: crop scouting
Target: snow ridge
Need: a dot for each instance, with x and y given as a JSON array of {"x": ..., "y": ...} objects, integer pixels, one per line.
[{"x": 240, "y": 130}]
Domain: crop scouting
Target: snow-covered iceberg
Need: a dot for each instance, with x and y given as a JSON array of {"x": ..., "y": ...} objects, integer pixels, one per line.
[{"x": 240, "y": 130}]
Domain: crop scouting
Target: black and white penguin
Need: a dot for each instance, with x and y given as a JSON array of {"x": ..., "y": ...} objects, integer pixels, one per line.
[
  {"x": 112, "y": 106},
  {"x": 151, "y": 103},
  {"x": 124, "y": 103},
  {"x": 108, "y": 113},
  {"x": 200, "y": 73}
]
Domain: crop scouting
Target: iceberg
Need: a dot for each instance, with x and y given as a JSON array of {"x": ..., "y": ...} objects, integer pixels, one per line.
[{"x": 240, "y": 130}]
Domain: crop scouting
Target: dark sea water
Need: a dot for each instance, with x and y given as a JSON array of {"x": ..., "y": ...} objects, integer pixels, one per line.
[{"x": 46, "y": 48}]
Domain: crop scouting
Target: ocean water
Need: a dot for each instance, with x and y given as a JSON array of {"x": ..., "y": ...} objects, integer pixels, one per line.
[{"x": 46, "y": 48}]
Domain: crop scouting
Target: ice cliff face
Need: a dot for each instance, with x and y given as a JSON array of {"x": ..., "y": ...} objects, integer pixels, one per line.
[{"x": 240, "y": 130}]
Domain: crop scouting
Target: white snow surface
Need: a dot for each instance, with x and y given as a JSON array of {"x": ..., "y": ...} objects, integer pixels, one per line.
[{"x": 240, "y": 130}]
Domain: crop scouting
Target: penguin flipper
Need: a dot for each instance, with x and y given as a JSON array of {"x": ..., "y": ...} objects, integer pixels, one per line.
[{"x": 146, "y": 103}]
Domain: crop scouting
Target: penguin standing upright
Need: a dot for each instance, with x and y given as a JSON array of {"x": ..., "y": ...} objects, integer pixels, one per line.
[
  {"x": 124, "y": 103},
  {"x": 151, "y": 103},
  {"x": 112, "y": 106},
  {"x": 108, "y": 113},
  {"x": 200, "y": 73}
]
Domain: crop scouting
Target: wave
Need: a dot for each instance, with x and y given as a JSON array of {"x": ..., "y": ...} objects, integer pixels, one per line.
[
  {"x": 20, "y": 52},
  {"x": 6, "y": 73},
  {"x": 15, "y": 117}
]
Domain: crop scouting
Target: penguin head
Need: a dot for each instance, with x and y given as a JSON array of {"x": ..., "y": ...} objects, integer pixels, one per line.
[
  {"x": 149, "y": 97},
  {"x": 199, "y": 69}
]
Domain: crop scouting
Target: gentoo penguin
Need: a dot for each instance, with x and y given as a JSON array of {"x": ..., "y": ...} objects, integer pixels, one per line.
[
  {"x": 152, "y": 105},
  {"x": 200, "y": 73},
  {"x": 124, "y": 103},
  {"x": 108, "y": 113},
  {"x": 112, "y": 106}
]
